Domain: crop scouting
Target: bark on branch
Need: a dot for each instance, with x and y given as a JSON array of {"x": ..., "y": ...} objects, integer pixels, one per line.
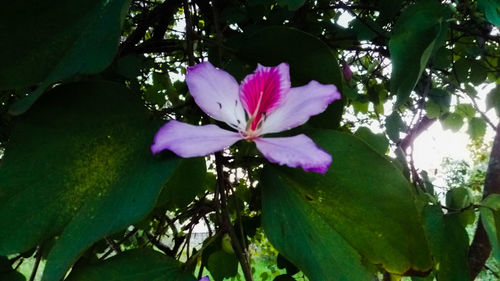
[{"x": 480, "y": 248}]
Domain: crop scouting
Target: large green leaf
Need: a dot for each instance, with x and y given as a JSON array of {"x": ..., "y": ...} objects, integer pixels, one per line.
[
  {"x": 133, "y": 265},
  {"x": 78, "y": 166},
  {"x": 222, "y": 265},
  {"x": 491, "y": 222},
  {"x": 477, "y": 128},
  {"x": 491, "y": 10},
  {"x": 490, "y": 216},
  {"x": 361, "y": 211},
  {"x": 184, "y": 185},
  {"x": 418, "y": 32},
  {"x": 309, "y": 59},
  {"x": 449, "y": 244},
  {"x": 45, "y": 42}
]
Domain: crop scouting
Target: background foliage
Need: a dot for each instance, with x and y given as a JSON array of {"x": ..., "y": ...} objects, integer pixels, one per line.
[{"x": 84, "y": 85}]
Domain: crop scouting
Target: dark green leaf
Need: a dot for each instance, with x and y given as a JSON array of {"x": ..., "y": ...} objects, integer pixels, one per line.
[
  {"x": 461, "y": 70},
  {"x": 133, "y": 265},
  {"x": 292, "y": 5},
  {"x": 78, "y": 166},
  {"x": 184, "y": 185},
  {"x": 449, "y": 244},
  {"x": 491, "y": 10},
  {"x": 394, "y": 124},
  {"x": 418, "y": 32},
  {"x": 342, "y": 219},
  {"x": 477, "y": 128},
  {"x": 131, "y": 66},
  {"x": 51, "y": 41},
  {"x": 441, "y": 98},
  {"x": 478, "y": 73},
  {"x": 309, "y": 59},
  {"x": 443, "y": 58},
  {"x": 362, "y": 31},
  {"x": 222, "y": 265},
  {"x": 378, "y": 142}
]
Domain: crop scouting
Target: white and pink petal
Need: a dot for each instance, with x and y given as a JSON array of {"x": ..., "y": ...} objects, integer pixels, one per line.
[
  {"x": 263, "y": 91},
  {"x": 216, "y": 92},
  {"x": 187, "y": 140},
  {"x": 296, "y": 151},
  {"x": 299, "y": 105}
]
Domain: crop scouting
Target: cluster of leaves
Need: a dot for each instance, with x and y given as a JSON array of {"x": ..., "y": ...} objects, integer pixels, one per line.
[{"x": 85, "y": 85}]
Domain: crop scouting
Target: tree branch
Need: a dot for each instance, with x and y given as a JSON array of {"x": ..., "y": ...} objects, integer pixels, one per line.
[
  {"x": 226, "y": 219},
  {"x": 418, "y": 129},
  {"x": 165, "y": 9},
  {"x": 480, "y": 248}
]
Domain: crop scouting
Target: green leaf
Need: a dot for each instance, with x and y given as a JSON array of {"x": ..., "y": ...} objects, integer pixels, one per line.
[
  {"x": 458, "y": 198},
  {"x": 491, "y": 10},
  {"x": 309, "y": 59},
  {"x": 292, "y": 5},
  {"x": 478, "y": 73},
  {"x": 362, "y": 211},
  {"x": 394, "y": 124},
  {"x": 418, "y": 32},
  {"x": 461, "y": 69},
  {"x": 453, "y": 121},
  {"x": 131, "y": 66},
  {"x": 7, "y": 273},
  {"x": 433, "y": 110},
  {"x": 491, "y": 222},
  {"x": 184, "y": 185},
  {"x": 362, "y": 31},
  {"x": 78, "y": 166},
  {"x": 378, "y": 142},
  {"x": 492, "y": 201},
  {"x": 442, "y": 58},
  {"x": 51, "y": 41},
  {"x": 465, "y": 110},
  {"x": 133, "y": 265},
  {"x": 222, "y": 265},
  {"x": 441, "y": 97},
  {"x": 449, "y": 244},
  {"x": 477, "y": 128}
]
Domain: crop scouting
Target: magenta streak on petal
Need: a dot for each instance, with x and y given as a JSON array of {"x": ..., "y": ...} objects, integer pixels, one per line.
[{"x": 260, "y": 93}]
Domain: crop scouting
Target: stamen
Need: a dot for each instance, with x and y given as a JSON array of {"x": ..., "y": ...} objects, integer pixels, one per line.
[{"x": 220, "y": 105}]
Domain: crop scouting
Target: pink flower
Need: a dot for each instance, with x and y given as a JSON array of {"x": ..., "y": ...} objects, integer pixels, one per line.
[
  {"x": 347, "y": 71},
  {"x": 264, "y": 103},
  {"x": 205, "y": 278}
]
